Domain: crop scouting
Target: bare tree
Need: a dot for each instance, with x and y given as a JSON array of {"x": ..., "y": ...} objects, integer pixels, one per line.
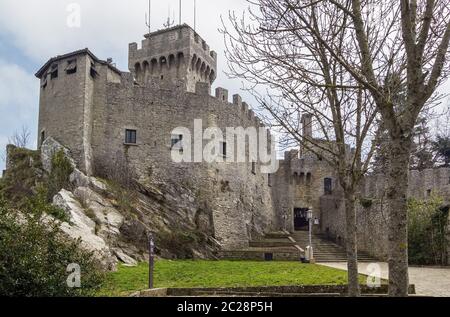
[
  {"x": 20, "y": 138},
  {"x": 270, "y": 49},
  {"x": 396, "y": 50},
  {"x": 402, "y": 57}
]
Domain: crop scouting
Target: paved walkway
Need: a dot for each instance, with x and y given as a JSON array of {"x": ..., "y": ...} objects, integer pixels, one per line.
[{"x": 428, "y": 281}]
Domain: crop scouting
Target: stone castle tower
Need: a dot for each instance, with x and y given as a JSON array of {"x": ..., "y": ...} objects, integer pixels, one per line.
[{"x": 173, "y": 55}]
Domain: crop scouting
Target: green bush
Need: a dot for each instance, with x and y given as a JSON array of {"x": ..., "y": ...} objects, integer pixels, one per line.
[
  {"x": 22, "y": 175},
  {"x": 39, "y": 203},
  {"x": 366, "y": 203},
  {"x": 427, "y": 225},
  {"x": 34, "y": 257},
  {"x": 180, "y": 243},
  {"x": 59, "y": 177}
]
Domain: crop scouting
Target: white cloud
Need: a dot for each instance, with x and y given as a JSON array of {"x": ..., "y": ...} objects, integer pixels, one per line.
[
  {"x": 40, "y": 29},
  {"x": 19, "y": 91}
]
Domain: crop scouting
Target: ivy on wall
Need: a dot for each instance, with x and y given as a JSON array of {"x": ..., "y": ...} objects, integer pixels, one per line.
[{"x": 427, "y": 231}]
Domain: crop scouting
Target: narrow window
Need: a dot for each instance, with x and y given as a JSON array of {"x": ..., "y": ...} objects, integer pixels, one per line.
[
  {"x": 254, "y": 168},
  {"x": 130, "y": 136},
  {"x": 42, "y": 137},
  {"x": 71, "y": 67},
  {"x": 54, "y": 72},
  {"x": 93, "y": 71},
  {"x": 429, "y": 193},
  {"x": 44, "y": 81},
  {"x": 223, "y": 149},
  {"x": 308, "y": 179},
  {"x": 269, "y": 180},
  {"x": 328, "y": 186},
  {"x": 177, "y": 142}
]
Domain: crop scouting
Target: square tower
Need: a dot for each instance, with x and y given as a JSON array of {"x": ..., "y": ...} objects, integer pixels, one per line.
[{"x": 173, "y": 55}]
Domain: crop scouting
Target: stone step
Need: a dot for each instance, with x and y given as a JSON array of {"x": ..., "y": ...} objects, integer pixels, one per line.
[
  {"x": 276, "y": 235},
  {"x": 272, "y": 243},
  {"x": 325, "y": 250},
  {"x": 278, "y": 254},
  {"x": 266, "y": 295}
]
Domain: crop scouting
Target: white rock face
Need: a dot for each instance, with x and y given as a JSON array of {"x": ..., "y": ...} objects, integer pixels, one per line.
[
  {"x": 66, "y": 201},
  {"x": 49, "y": 147},
  {"x": 125, "y": 258},
  {"x": 93, "y": 219},
  {"x": 108, "y": 219},
  {"x": 82, "y": 227}
]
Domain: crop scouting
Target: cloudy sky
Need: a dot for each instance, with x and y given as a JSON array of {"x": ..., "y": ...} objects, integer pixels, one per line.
[{"x": 33, "y": 31}]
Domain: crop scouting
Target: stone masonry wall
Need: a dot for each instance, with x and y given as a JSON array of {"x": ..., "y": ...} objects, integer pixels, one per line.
[
  {"x": 239, "y": 201},
  {"x": 299, "y": 183},
  {"x": 372, "y": 220}
]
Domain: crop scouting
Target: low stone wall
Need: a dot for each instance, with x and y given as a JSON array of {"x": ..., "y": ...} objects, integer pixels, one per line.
[
  {"x": 371, "y": 225},
  {"x": 372, "y": 215},
  {"x": 272, "y": 291}
]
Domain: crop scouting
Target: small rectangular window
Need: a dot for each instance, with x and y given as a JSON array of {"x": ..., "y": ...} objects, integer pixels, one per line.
[
  {"x": 254, "y": 168},
  {"x": 54, "y": 72},
  {"x": 130, "y": 136},
  {"x": 177, "y": 142},
  {"x": 71, "y": 67},
  {"x": 269, "y": 180},
  {"x": 223, "y": 149}
]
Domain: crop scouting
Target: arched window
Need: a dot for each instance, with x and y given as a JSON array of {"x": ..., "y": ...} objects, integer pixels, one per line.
[
  {"x": 138, "y": 70},
  {"x": 146, "y": 70},
  {"x": 308, "y": 179}
]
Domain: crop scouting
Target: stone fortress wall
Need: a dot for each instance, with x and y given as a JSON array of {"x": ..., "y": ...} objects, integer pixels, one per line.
[
  {"x": 90, "y": 109},
  {"x": 373, "y": 218}
]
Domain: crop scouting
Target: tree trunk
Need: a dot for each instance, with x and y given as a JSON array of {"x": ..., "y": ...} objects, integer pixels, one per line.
[
  {"x": 397, "y": 189},
  {"x": 351, "y": 244}
]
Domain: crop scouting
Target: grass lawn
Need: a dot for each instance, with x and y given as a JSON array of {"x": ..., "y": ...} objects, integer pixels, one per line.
[{"x": 181, "y": 274}]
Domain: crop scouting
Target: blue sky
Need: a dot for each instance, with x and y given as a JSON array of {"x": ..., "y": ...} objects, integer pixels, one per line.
[{"x": 31, "y": 32}]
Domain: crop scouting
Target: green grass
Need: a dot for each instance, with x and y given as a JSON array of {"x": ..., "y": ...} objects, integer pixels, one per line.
[{"x": 186, "y": 274}]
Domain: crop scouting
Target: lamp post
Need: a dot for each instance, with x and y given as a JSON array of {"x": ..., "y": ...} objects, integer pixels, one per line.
[
  {"x": 151, "y": 260},
  {"x": 285, "y": 220},
  {"x": 310, "y": 249}
]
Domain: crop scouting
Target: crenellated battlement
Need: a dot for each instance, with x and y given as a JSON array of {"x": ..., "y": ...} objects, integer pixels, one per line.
[
  {"x": 421, "y": 184},
  {"x": 173, "y": 54},
  {"x": 242, "y": 108}
]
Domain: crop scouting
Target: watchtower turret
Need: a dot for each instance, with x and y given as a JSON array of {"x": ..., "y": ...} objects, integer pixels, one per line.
[{"x": 172, "y": 55}]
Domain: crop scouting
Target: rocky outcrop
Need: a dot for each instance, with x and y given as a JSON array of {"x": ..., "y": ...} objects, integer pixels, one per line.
[
  {"x": 48, "y": 149},
  {"x": 92, "y": 217},
  {"x": 83, "y": 228},
  {"x": 181, "y": 227}
]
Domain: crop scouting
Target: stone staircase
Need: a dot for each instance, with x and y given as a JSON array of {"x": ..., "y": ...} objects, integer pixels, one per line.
[
  {"x": 326, "y": 251},
  {"x": 277, "y": 246},
  {"x": 284, "y": 246}
]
